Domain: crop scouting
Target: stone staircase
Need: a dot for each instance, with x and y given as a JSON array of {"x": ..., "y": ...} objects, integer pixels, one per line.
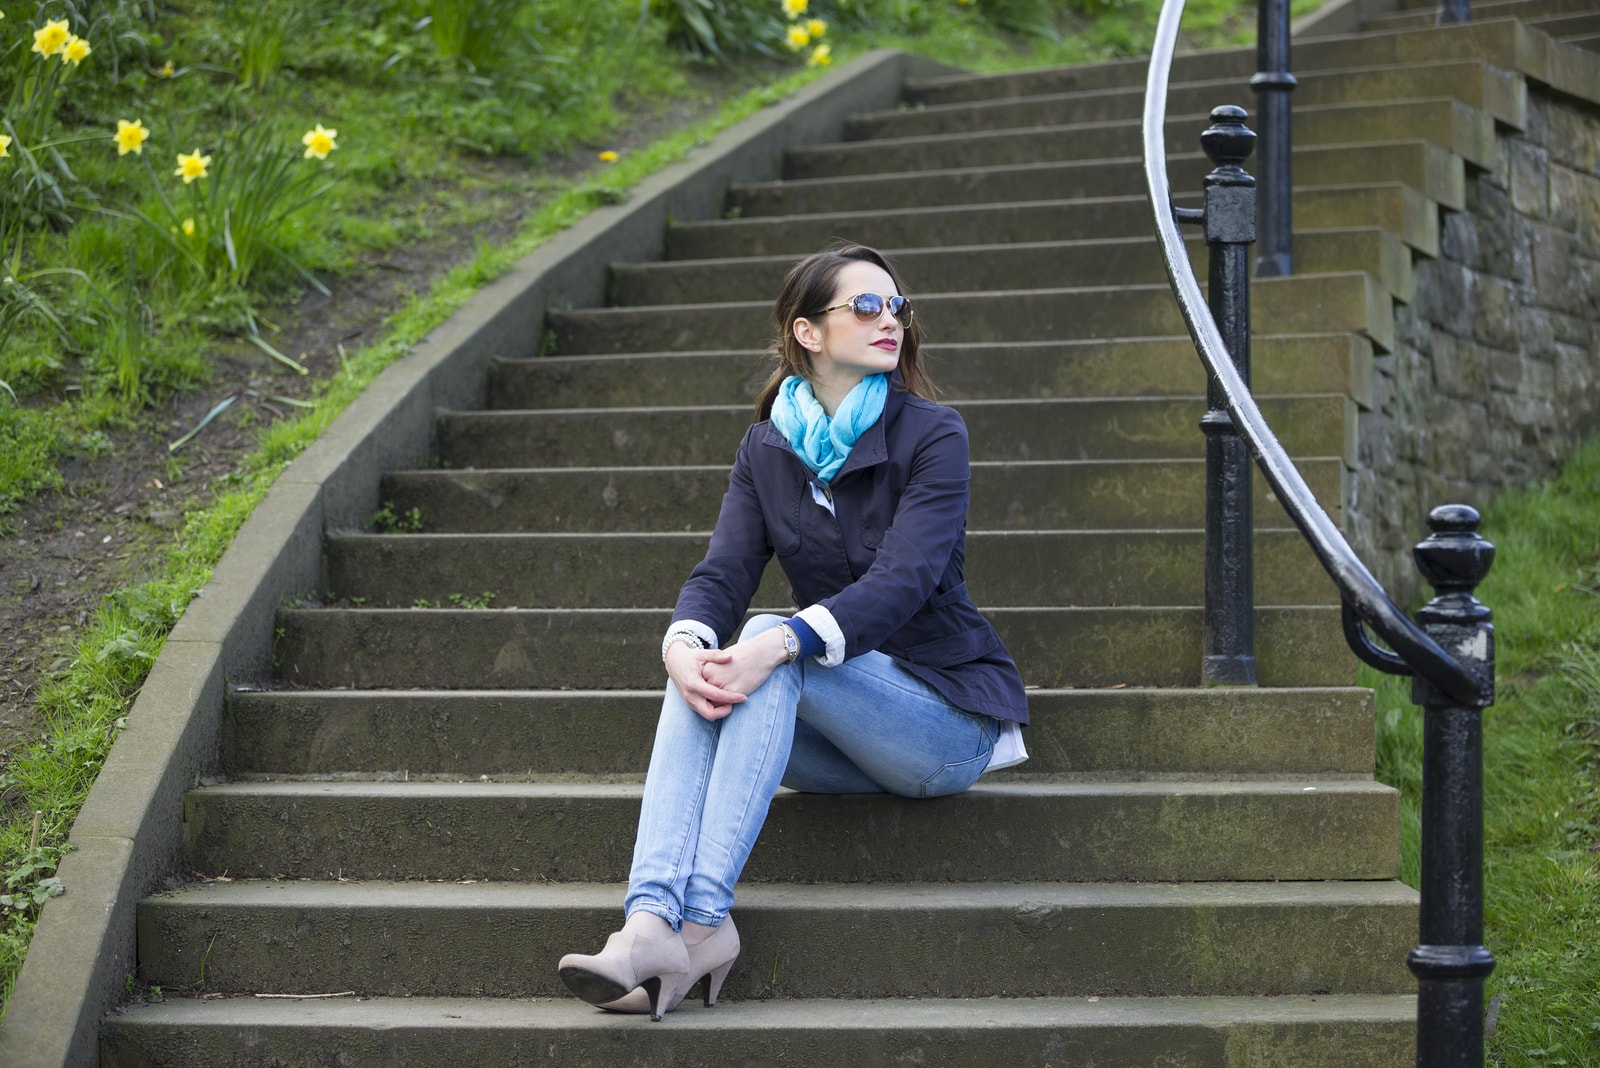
[{"x": 438, "y": 797}]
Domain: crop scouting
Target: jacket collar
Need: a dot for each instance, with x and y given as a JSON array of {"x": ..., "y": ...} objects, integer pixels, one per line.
[{"x": 872, "y": 447}]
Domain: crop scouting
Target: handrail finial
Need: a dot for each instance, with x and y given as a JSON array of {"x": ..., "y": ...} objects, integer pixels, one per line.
[{"x": 1228, "y": 141}]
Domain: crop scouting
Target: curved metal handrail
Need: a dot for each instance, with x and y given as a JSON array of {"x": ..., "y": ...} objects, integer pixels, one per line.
[{"x": 1361, "y": 594}]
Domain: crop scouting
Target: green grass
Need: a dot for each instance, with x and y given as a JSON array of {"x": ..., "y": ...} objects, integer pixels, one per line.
[{"x": 1541, "y": 776}]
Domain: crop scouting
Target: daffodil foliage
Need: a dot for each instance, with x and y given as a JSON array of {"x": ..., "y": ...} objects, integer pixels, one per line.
[{"x": 226, "y": 219}]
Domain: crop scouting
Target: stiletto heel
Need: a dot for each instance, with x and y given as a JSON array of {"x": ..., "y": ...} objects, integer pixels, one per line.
[
  {"x": 652, "y": 991},
  {"x": 714, "y": 983}
]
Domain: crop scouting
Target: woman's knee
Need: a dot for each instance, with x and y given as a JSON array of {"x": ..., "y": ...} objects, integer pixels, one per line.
[{"x": 763, "y": 622}]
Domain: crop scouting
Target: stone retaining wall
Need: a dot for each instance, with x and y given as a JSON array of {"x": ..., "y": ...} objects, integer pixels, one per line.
[{"x": 1495, "y": 377}]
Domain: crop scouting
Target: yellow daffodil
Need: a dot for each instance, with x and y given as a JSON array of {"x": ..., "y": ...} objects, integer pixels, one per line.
[
  {"x": 166, "y": 70},
  {"x": 74, "y": 50},
  {"x": 794, "y": 8},
  {"x": 821, "y": 56},
  {"x": 319, "y": 142},
  {"x": 816, "y": 28},
  {"x": 49, "y": 38},
  {"x": 797, "y": 38},
  {"x": 5, "y": 141},
  {"x": 192, "y": 166},
  {"x": 608, "y": 156},
  {"x": 2, "y": 14},
  {"x": 188, "y": 228},
  {"x": 130, "y": 136}
]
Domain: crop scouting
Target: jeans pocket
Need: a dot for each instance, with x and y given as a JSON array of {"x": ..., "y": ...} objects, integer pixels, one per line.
[{"x": 957, "y": 776}]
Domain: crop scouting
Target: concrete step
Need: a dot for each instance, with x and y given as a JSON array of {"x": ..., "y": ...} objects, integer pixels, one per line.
[
  {"x": 1567, "y": 25},
  {"x": 1353, "y": 302},
  {"x": 1507, "y": 43},
  {"x": 1020, "y": 265},
  {"x": 1323, "y": 1032},
  {"x": 1561, "y": 19},
  {"x": 842, "y": 941},
  {"x": 404, "y": 734},
  {"x": 1399, "y": 208},
  {"x": 1411, "y": 17},
  {"x": 1059, "y": 429},
  {"x": 1094, "y": 367},
  {"x": 1423, "y": 164},
  {"x": 566, "y": 831},
  {"x": 1005, "y": 495},
  {"x": 1493, "y": 41},
  {"x": 1004, "y": 568},
  {"x": 1464, "y": 130},
  {"x": 585, "y": 649},
  {"x": 1473, "y": 83}
]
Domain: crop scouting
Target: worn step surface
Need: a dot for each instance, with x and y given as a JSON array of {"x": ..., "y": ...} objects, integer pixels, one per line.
[
  {"x": 396, "y": 734},
  {"x": 1012, "y": 370},
  {"x": 1064, "y": 428},
  {"x": 1080, "y": 567},
  {"x": 573, "y": 831},
  {"x": 1463, "y": 129},
  {"x": 1351, "y": 1031},
  {"x": 1035, "y": 264},
  {"x": 616, "y": 647},
  {"x": 1431, "y": 167},
  {"x": 1006, "y": 495},
  {"x": 1352, "y": 302},
  {"x": 1395, "y": 206},
  {"x": 829, "y": 940},
  {"x": 1491, "y": 41},
  {"x": 1472, "y": 82},
  {"x": 1526, "y": 10}
]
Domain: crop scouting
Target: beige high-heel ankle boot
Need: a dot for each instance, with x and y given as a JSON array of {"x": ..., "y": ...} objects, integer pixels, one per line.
[
  {"x": 631, "y": 958},
  {"x": 710, "y": 959}
]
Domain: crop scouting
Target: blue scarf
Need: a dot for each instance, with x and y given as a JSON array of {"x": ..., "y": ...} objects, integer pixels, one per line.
[{"x": 823, "y": 443}]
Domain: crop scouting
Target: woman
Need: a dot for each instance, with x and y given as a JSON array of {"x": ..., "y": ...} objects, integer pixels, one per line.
[{"x": 888, "y": 679}]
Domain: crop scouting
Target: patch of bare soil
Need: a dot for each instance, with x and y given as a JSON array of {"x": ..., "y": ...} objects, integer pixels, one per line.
[{"x": 109, "y": 524}]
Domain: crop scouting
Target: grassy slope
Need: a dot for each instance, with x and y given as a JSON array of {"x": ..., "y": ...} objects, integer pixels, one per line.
[{"x": 1541, "y": 793}]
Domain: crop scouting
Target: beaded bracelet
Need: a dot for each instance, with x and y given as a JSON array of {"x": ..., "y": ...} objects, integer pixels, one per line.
[{"x": 677, "y": 636}]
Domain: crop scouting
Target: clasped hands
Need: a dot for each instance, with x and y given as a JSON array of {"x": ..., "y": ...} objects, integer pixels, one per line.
[{"x": 713, "y": 681}]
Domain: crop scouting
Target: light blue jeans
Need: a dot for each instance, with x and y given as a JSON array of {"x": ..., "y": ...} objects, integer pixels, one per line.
[{"x": 865, "y": 726}]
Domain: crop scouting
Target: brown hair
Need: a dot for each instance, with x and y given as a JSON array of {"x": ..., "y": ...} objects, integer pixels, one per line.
[{"x": 807, "y": 289}]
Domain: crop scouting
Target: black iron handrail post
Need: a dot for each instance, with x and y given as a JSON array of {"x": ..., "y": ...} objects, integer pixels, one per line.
[
  {"x": 1450, "y": 960},
  {"x": 1273, "y": 83},
  {"x": 1454, "y": 11},
  {"x": 1229, "y": 653}
]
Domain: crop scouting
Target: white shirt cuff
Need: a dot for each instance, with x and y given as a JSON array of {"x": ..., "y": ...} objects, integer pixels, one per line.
[
  {"x": 821, "y": 620},
  {"x": 693, "y": 627}
]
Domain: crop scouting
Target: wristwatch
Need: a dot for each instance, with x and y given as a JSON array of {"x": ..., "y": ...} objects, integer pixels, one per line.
[{"x": 791, "y": 644}]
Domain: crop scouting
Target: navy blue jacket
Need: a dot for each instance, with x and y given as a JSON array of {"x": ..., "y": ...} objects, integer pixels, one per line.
[{"x": 889, "y": 568}]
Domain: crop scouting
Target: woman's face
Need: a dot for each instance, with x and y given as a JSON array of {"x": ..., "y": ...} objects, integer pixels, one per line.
[{"x": 843, "y": 348}]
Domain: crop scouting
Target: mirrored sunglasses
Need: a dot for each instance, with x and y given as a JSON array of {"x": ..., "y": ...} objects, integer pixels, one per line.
[{"x": 868, "y": 306}]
